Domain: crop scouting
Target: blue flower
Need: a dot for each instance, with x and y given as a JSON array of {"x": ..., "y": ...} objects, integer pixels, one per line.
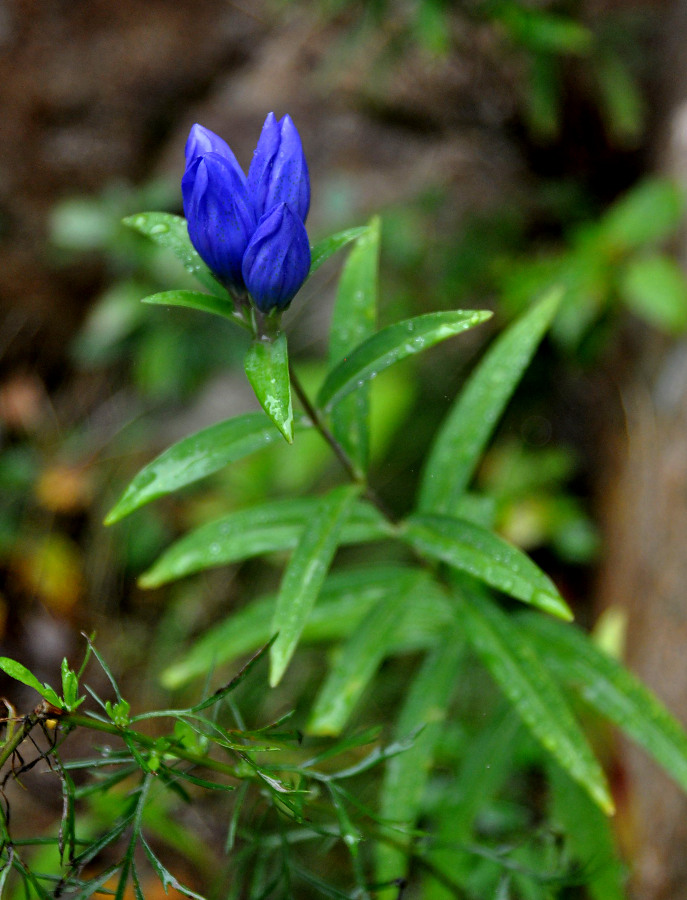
[
  {"x": 250, "y": 231},
  {"x": 277, "y": 259},
  {"x": 278, "y": 172},
  {"x": 219, "y": 215}
]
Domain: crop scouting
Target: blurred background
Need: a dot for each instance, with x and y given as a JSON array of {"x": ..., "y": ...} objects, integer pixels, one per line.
[{"x": 507, "y": 145}]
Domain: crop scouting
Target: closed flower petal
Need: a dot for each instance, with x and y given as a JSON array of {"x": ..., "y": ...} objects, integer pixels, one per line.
[
  {"x": 202, "y": 141},
  {"x": 277, "y": 259},
  {"x": 219, "y": 214},
  {"x": 279, "y": 172}
]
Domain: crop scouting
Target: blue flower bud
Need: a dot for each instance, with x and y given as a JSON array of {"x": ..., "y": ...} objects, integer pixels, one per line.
[
  {"x": 277, "y": 259},
  {"x": 278, "y": 172},
  {"x": 202, "y": 141},
  {"x": 220, "y": 217}
]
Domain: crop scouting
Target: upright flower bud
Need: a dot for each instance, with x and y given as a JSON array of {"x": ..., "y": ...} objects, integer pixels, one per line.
[
  {"x": 202, "y": 141},
  {"x": 219, "y": 214},
  {"x": 279, "y": 172},
  {"x": 277, "y": 259}
]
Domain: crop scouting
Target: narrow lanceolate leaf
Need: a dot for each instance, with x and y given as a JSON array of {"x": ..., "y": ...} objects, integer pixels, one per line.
[
  {"x": 267, "y": 368},
  {"x": 20, "y": 673},
  {"x": 360, "y": 657},
  {"x": 406, "y": 775},
  {"x": 590, "y": 840},
  {"x": 171, "y": 232},
  {"x": 268, "y": 528},
  {"x": 482, "y": 554},
  {"x": 305, "y": 574},
  {"x": 209, "y": 303},
  {"x": 613, "y": 691},
  {"x": 468, "y": 426},
  {"x": 240, "y": 535},
  {"x": 511, "y": 658},
  {"x": 352, "y": 322},
  {"x": 327, "y": 247},
  {"x": 391, "y": 345},
  {"x": 195, "y": 457},
  {"x": 345, "y": 599}
]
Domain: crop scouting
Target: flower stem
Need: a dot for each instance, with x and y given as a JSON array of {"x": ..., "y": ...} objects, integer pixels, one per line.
[{"x": 354, "y": 472}]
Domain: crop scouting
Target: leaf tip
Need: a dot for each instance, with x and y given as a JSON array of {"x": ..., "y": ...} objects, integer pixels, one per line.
[
  {"x": 114, "y": 515},
  {"x": 553, "y": 604},
  {"x": 148, "y": 580}
]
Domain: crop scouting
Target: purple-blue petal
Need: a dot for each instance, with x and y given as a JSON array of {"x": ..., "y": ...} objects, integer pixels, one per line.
[
  {"x": 202, "y": 141},
  {"x": 279, "y": 172},
  {"x": 219, "y": 214},
  {"x": 277, "y": 259}
]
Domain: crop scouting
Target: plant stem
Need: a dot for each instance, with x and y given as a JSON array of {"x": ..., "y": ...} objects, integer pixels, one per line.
[
  {"x": 196, "y": 759},
  {"x": 354, "y": 473},
  {"x": 11, "y": 746}
]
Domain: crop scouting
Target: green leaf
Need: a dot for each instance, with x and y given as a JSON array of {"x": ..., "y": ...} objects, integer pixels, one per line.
[
  {"x": 654, "y": 287},
  {"x": 542, "y": 31},
  {"x": 391, "y": 345},
  {"x": 267, "y": 368},
  {"x": 344, "y": 600},
  {"x": 589, "y": 837},
  {"x": 610, "y": 689},
  {"x": 209, "y": 303},
  {"x": 512, "y": 660},
  {"x": 352, "y": 322},
  {"x": 305, "y": 573},
  {"x": 485, "y": 765},
  {"x": 482, "y": 554},
  {"x": 406, "y": 775},
  {"x": 323, "y": 249},
  {"x": 460, "y": 443},
  {"x": 267, "y": 528},
  {"x": 171, "y": 232},
  {"x": 622, "y": 100},
  {"x": 195, "y": 457},
  {"x": 166, "y": 878},
  {"x": 20, "y": 673},
  {"x": 648, "y": 213},
  {"x": 360, "y": 657}
]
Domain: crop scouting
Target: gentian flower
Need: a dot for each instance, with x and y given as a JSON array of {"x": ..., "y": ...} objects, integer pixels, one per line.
[
  {"x": 277, "y": 259},
  {"x": 250, "y": 231}
]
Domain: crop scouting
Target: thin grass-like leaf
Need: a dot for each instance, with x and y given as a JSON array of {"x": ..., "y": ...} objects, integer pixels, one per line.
[
  {"x": 305, "y": 574},
  {"x": 353, "y": 321},
  {"x": 613, "y": 691},
  {"x": 470, "y": 548},
  {"x": 511, "y": 658},
  {"x": 406, "y": 775},
  {"x": 166, "y": 878},
  {"x": 390, "y": 345},
  {"x": 589, "y": 837},
  {"x": 360, "y": 657},
  {"x": 267, "y": 528},
  {"x": 241, "y": 676},
  {"x": 344, "y": 600},
  {"x": 460, "y": 443},
  {"x": 195, "y": 457}
]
